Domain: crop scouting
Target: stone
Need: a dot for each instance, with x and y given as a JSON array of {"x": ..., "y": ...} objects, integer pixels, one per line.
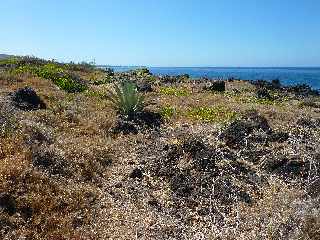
[
  {"x": 217, "y": 86},
  {"x": 136, "y": 173},
  {"x": 8, "y": 203},
  {"x": 27, "y": 99}
]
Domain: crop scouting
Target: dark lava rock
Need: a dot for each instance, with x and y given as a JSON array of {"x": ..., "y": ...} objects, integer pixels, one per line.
[
  {"x": 257, "y": 121},
  {"x": 263, "y": 93},
  {"x": 173, "y": 79},
  {"x": 166, "y": 165},
  {"x": 235, "y": 134},
  {"x": 27, "y": 99},
  {"x": 136, "y": 173},
  {"x": 217, "y": 86},
  {"x": 125, "y": 127},
  {"x": 273, "y": 85},
  {"x": 308, "y": 122},
  {"x": 8, "y": 203},
  {"x": 227, "y": 192},
  {"x": 182, "y": 184},
  {"x": 49, "y": 161},
  {"x": 109, "y": 71},
  {"x": 26, "y": 212},
  {"x": 155, "y": 204},
  {"x": 140, "y": 122},
  {"x": 253, "y": 155},
  {"x": 276, "y": 83},
  {"x": 303, "y": 90},
  {"x": 144, "y": 87},
  {"x": 278, "y": 137},
  {"x": 203, "y": 157},
  {"x": 285, "y": 166}
]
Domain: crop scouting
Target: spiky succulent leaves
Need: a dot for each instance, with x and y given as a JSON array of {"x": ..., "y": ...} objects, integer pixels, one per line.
[{"x": 126, "y": 99}]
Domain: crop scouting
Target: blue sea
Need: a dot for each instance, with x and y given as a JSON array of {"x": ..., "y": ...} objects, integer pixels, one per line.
[{"x": 287, "y": 76}]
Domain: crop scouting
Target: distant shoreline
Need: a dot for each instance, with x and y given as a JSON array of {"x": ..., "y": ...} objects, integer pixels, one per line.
[{"x": 288, "y": 76}]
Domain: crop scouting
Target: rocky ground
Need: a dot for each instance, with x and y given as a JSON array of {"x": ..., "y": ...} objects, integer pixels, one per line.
[{"x": 205, "y": 160}]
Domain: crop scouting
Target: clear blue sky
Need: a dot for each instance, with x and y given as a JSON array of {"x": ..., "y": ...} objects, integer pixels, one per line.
[{"x": 165, "y": 32}]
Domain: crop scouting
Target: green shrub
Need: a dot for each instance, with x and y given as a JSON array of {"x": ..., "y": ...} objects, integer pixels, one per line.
[
  {"x": 211, "y": 114},
  {"x": 126, "y": 99},
  {"x": 167, "y": 112},
  {"x": 142, "y": 72},
  {"x": 55, "y": 73},
  {"x": 173, "y": 91}
]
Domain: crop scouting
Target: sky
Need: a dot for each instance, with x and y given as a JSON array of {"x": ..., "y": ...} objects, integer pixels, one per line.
[{"x": 171, "y": 33}]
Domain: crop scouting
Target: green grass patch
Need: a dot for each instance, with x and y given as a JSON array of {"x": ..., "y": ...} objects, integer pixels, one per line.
[
  {"x": 173, "y": 91},
  {"x": 217, "y": 114},
  {"x": 167, "y": 112},
  {"x": 96, "y": 94}
]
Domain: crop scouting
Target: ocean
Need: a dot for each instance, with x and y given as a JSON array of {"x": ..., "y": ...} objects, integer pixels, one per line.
[{"x": 287, "y": 76}]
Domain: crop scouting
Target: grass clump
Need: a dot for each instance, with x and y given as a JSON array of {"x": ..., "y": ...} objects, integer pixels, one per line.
[
  {"x": 167, "y": 112},
  {"x": 211, "y": 114},
  {"x": 173, "y": 91},
  {"x": 126, "y": 99},
  {"x": 96, "y": 94}
]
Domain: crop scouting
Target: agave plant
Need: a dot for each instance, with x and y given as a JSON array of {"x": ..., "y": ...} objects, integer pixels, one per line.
[{"x": 126, "y": 99}]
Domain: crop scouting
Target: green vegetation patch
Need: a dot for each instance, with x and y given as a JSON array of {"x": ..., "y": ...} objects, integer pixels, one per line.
[
  {"x": 126, "y": 99},
  {"x": 174, "y": 91},
  {"x": 217, "y": 114},
  {"x": 167, "y": 112},
  {"x": 55, "y": 73}
]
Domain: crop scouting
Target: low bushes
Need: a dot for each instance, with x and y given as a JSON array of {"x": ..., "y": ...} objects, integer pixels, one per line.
[{"x": 55, "y": 73}]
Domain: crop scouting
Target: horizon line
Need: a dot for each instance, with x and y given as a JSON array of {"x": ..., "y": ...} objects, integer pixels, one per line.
[{"x": 144, "y": 66}]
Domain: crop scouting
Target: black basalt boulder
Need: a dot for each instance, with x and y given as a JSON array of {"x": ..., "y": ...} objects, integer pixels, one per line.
[{"x": 27, "y": 99}]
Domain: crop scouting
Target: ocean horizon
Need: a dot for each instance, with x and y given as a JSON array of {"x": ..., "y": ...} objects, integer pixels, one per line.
[{"x": 286, "y": 75}]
